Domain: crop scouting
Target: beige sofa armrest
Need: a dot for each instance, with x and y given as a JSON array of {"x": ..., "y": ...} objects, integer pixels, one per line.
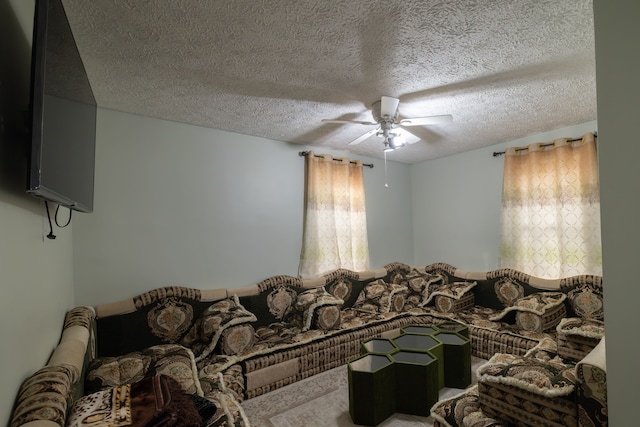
[
  {"x": 597, "y": 358},
  {"x": 591, "y": 386}
]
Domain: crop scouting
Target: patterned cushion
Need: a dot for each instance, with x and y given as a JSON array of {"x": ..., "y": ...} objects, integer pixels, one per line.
[
  {"x": 537, "y": 312},
  {"x": 341, "y": 288},
  {"x": 532, "y": 322},
  {"x": 328, "y": 317},
  {"x": 446, "y": 304},
  {"x": 463, "y": 410},
  {"x": 455, "y": 290},
  {"x": 170, "y": 319},
  {"x": 281, "y": 301},
  {"x": 577, "y": 337},
  {"x": 419, "y": 285},
  {"x": 381, "y": 297},
  {"x": 587, "y": 302},
  {"x": 309, "y": 303},
  {"x": 238, "y": 338},
  {"x": 172, "y": 360},
  {"x": 203, "y": 336},
  {"x": 508, "y": 291},
  {"x": 550, "y": 378},
  {"x": 546, "y": 350},
  {"x": 574, "y": 326}
]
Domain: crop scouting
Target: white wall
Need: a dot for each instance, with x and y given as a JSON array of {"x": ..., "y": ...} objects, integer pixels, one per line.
[
  {"x": 457, "y": 203},
  {"x": 37, "y": 273},
  {"x": 181, "y": 204},
  {"x": 37, "y": 290},
  {"x": 617, "y": 68}
]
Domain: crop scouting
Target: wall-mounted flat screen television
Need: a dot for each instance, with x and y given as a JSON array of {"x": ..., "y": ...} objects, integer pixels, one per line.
[{"x": 63, "y": 114}]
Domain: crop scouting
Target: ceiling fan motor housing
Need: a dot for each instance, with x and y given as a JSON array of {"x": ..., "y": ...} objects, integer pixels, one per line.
[{"x": 376, "y": 112}]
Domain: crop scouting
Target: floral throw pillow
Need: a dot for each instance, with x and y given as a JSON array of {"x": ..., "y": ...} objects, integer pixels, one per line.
[
  {"x": 205, "y": 333},
  {"x": 537, "y": 312},
  {"x": 419, "y": 286},
  {"x": 508, "y": 291},
  {"x": 381, "y": 297},
  {"x": 455, "y": 290},
  {"x": 310, "y": 303},
  {"x": 587, "y": 302}
]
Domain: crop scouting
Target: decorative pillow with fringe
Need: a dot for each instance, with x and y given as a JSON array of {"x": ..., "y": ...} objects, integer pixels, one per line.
[
  {"x": 550, "y": 378},
  {"x": 381, "y": 297},
  {"x": 205, "y": 333},
  {"x": 319, "y": 308},
  {"x": 587, "y": 302},
  {"x": 537, "y": 312},
  {"x": 455, "y": 290},
  {"x": 463, "y": 410},
  {"x": 419, "y": 285}
]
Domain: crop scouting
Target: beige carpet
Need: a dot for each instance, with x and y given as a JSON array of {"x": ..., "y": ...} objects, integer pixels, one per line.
[{"x": 322, "y": 401}]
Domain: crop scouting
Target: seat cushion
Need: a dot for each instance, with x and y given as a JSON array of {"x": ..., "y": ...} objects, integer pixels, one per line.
[
  {"x": 549, "y": 378},
  {"x": 172, "y": 360},
  {"x": 577, "y": 337}
]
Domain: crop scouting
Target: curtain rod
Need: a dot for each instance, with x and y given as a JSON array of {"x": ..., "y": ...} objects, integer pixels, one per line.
[
  {"x": 500, "y": 153},
  {"x": 306, "y": 153}
]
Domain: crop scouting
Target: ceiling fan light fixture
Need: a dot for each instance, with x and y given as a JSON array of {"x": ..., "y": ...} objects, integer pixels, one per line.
[{"x": 396, "y": 141}]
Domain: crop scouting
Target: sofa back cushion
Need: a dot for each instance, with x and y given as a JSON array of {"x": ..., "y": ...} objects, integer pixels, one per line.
[
  {"x": 587, "y": 302},
  {"x": 161, "y": 316},
  {"x": 273, "y": 304}
]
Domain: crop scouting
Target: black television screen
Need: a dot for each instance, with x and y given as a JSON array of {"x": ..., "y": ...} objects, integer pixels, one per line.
[{"x": 63, "y": 114}]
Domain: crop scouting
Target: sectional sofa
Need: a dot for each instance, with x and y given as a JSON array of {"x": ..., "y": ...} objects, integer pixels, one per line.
[{"x": 222, "y": 346}]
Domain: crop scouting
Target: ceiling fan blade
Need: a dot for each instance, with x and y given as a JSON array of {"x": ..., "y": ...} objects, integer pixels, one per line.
[
  {"x": 388, "y": 106},
  {"x": 361, "y": 138},
  {"x": 430, "y": 120},
  {"x": 408, "y": 136},
  {"x": 358, "y": 122}
]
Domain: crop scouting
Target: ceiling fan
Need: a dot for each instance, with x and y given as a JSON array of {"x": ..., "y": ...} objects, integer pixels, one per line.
[{"x": 385, "y": 114}]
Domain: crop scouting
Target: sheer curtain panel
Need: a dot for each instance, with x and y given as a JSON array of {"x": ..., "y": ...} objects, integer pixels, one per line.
[
  {"x": 335, "y": 219},
  {"x": 551, "y": 209}
]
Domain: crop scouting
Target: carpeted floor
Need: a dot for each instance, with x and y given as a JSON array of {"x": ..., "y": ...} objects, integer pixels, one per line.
[{"x": 323, "y": 401}]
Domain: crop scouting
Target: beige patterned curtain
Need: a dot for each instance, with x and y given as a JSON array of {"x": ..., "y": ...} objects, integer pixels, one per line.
[
  {"x": 551, "y": 209},
  {"x": 335, "y": 219}
]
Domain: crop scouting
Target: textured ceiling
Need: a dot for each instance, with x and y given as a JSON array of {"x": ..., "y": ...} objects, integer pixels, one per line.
[{"x": 503, "y": 68}]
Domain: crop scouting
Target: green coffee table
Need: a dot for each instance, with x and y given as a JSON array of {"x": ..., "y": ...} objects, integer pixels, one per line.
[
  {"x": 405, "y": 374},
  {"x": 456, "y": 359},
  {"x": 377, "y": 346},
  {"x": 420, "y": 342},
  {"x": 459, "y": 328},
  {"x": 416, "y": 382},
  {"x": 372, "y": 387}
]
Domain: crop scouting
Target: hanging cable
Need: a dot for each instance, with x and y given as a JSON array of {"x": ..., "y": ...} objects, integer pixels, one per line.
[
  {"x": 56, "y": 218},
  {"x": 50, "y": 235}
]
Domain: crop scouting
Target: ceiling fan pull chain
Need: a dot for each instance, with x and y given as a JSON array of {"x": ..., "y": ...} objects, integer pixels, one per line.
[{"x": 386, "y": 178}]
